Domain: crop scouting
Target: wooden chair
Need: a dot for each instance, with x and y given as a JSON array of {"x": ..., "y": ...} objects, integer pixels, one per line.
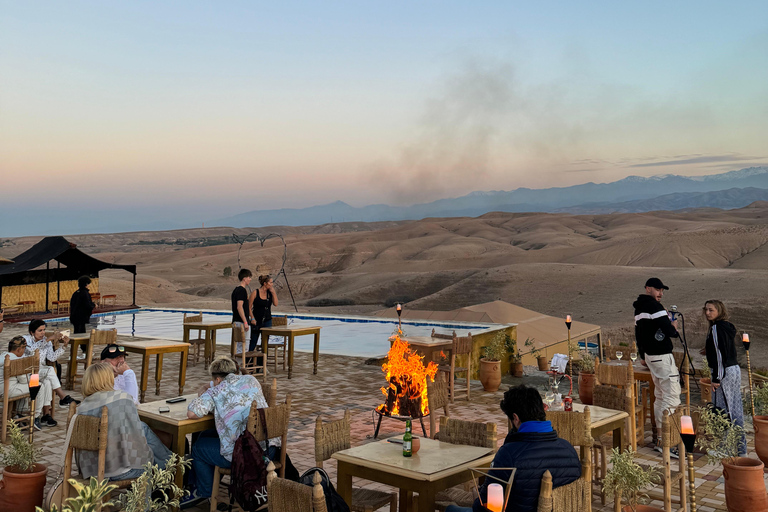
[
  {"x": 443, "y": 336},
  {"x": 269, "y": 389},
  {"x": 199, "y": 340},
  {"x": 462, "y": 345},
  {"x": 111, "y": 298},
  {"x": 437, "y": 398},
  {"x": 609, "y": 351},
  {"x": 670, "y": 438},
  {"x": 623, "y": 377},
  {"x": 60, "y": 306},
  {"x": 249, "y": 361},
  {"x": 574, "y": 497},
  {"x": 576, "y": 428},
  {"x": 277, "y": 321},
  {"x": 277, "y": 419},
  {"x": 16, "y": 368},
  {"x": 288, "y": 496},
  {"x": 88, "y": 434},
  {"x": 334, "y": 436}
]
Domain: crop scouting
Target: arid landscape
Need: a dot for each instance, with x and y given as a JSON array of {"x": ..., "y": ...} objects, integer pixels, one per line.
[{"x": 592, "y": 266}]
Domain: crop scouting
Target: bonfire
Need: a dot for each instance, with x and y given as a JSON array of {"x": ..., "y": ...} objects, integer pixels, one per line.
[{"x": 406, "y": 394}]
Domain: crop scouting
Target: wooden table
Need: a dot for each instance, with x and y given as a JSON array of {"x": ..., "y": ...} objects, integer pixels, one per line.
[
  {"x": 210, "y": 327},
  {"x": 604, "y": 421},
  {"x": 175, "y": 423},
  {"x": 158, "y": 348},
  {"x": 75, "y": 341},
  {"x": 290, "y": 332},
  {"x": 428, "y": 346},
  {"x": 435, "y": 467}
]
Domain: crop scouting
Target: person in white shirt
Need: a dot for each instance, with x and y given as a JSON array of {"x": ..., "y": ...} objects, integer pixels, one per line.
[
  {"x": 36, "y": 340},
  {"x": 19, "y": 385},
  {"x": 125, "y": 378}
]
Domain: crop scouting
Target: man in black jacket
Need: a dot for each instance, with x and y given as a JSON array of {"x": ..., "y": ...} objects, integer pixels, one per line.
[
  {"x": 81, "y": 307},
  {"x": 533, "y": 448},
  {"x": 654, "y": 332}
]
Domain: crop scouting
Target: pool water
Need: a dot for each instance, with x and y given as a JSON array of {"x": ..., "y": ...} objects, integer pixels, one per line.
[{"x": 352, "y": 336}]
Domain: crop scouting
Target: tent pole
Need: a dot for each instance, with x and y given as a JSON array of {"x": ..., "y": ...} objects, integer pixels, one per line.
[
  {"x": 47, "y": 283},
  {"x": 58, "y": 281},
  {"x": 134, "y": 289}
]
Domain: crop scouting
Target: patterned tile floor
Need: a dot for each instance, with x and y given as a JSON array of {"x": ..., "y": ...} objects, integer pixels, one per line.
[{"x": 347, "y": 383}]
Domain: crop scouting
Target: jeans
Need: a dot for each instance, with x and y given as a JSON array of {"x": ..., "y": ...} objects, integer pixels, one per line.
[
  {"x": 206, "y": 454},
  {"x": 255, "y": 332},
  {"x": 456, "y": 508}
]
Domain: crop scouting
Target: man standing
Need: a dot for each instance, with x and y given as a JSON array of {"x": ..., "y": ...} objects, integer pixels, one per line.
[
  {"x": 125, "y": 378},
  {"x": 240, "y": 313},
  {"x": 654, "y": 332},
  {"x": 81, "y": 308}
]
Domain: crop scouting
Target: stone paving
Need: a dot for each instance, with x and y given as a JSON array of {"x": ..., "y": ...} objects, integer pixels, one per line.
[{"x": 348, "y": 383}]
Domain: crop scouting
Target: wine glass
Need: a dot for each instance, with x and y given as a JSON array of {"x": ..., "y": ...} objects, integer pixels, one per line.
[
  {"x": 633, "y": 357},
  {"x": 619, "y": 354},
  {"x": 549, "y": 398}
]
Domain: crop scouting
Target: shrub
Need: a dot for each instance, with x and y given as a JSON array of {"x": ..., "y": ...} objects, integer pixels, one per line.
[
  {"x": 628, "y": 479},
  {"x": 529, "y": 343},
  {"x": 21, "y": 455},
  {"x": 721, "y": 437},
  {"x": 323, "y": 303},
  {"x": 496, "y": 349},
  {"x": 587, "y": 364},
  {"x": 227, "y": 271}
]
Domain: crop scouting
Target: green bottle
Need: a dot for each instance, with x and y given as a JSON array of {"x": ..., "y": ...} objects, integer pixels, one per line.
[{"x": 407, "y": 439}]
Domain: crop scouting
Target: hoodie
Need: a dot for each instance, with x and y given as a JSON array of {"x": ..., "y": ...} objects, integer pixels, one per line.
[
  {"x": 721, "y": 348},
  {"x": 653, "y": 329}
]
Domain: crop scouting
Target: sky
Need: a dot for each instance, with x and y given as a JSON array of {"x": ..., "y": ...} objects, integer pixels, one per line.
[{"x": 191, "y": 111}]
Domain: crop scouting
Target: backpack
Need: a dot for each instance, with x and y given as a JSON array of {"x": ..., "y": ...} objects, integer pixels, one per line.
[
  {"x": 333, "y": 501},
  {"x": 248, "y": 485}
]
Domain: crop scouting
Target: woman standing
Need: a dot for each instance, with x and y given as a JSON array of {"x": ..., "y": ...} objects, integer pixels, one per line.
[
  {"x": 260, "y": 303},
  {"x": 721, "y": 358}
]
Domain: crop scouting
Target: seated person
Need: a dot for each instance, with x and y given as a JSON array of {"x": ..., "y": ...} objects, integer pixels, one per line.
[
  {"x": 125, "y": 378},
  {"x": 533, "y": 448},
  {"x": 18, "y": 385},
  {"x": 228, "y": 397},
  {"x": 36, "y": 340},
  {"x": 131, "y": 442}
]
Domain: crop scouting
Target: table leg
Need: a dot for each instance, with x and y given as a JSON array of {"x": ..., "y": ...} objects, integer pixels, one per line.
[
  {"x": 315, "y": 352},
  {"x": 426, "y": 498},
  {"x": 290, "y": 355},
  {"x": 184, "y": 355},
  {"x": 158, "y": 373},
  {"x": 344, "y": 482},
  {"x": 618, "y": 437},
  {"x": 652, "y": 393},
  {"x": 178, "y": 449},
  {"x": 144, "y": 373},
  {"x": 88, "y": 353},
  {"x": 72, "y": 371},
  {"x": 406, "y": 500}
]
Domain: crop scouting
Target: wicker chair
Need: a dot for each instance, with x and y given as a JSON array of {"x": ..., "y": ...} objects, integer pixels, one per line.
[
  {"x": 199, "y": 340},
  {"x": 670, "y": 438},
  {"x": 462, "y": 346},
  {"x": 270, "y": 392},
  {"x": 334, "y": 436},
  {"x": 90, "y": 433},
  {"x": 576, "y": 428},
  {"x": 277, "y": 321},
  {"x": 574, "y": 497},
  {"x": 437, "y": 397},
  {"x": 277, "y": 419},
  {"x": 609, "y": 351},
  {"x": 288, "y": 496},
  {"x": 623, "y": 377},
  {"x": 249, "y": 361},
  {"x": 15, "y": 368}
]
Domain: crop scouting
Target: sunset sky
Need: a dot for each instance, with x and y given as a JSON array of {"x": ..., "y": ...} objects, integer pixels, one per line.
[{"x": 198, "y": 110}]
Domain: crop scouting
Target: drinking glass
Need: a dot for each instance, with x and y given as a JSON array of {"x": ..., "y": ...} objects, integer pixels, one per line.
[
  {"x": 549, "y": 398},
  {"x": 619, "y": 355},
  {"x": 633, "y": 357}
]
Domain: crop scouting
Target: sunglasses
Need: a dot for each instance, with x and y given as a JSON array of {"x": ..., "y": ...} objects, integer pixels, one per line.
[{"x": 120, "y": 349}]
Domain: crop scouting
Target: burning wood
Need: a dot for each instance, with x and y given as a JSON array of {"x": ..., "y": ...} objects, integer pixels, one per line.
[{"x": 407, "y": 377}]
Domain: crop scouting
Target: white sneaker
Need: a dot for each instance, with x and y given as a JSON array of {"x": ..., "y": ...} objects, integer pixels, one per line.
[{"x": 81, "y": 357}]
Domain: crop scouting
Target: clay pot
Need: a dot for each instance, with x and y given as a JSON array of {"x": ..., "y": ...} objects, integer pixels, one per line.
[
  {"x": 490, "y": 374},
  {"x": 415, "y": 445},
  {"x": 586, "y": 385},
  {"x": 516, "y": 369},
  {"x": 22, "y": 492},
  {"x": 761, "y": 437},
  {"x": 543, "y": 363},
  {"x": 744, "y": 485},
  {"x": 642, "y": 508},
  {"x": 706, "y": 390}
]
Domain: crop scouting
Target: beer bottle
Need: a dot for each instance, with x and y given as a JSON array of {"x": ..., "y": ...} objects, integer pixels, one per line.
[{"x": 407, "y": 439}]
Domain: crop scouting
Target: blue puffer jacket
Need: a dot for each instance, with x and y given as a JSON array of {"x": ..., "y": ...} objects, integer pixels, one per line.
[{"x": 532, "y": 453}]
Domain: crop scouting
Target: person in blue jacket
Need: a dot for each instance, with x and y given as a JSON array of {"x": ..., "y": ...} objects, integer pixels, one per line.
[{"x": 531, "y": 446}]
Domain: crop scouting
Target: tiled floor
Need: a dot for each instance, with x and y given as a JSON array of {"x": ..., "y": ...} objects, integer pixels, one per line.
[{"x": 347, "y": 383}]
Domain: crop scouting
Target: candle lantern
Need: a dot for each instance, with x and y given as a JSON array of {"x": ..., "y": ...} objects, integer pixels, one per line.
[
  {"x": 495, "y": 498},
  {"x": 34, "y": 389},
  {"x": 399, "y": 320},
  {"x": 745, "y": 342},
  {"x": 688, "y": 435}
]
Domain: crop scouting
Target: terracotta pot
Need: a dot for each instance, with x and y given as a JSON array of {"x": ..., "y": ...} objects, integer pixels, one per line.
[
  {"x": 744, "y": 485},
  {"x": 761, "y": 437},
  {"x": 415, "y": 445},
  {"x": 543, "y": 363},
  {"x": 706, "y": 390},
  {"x": 517, "y": 370},
  {"x": 642, "y": 508},
  {"x": 586, "y": 385},
  {"x": 22, "y": 492},
  {"x": 490, "y": 374}
]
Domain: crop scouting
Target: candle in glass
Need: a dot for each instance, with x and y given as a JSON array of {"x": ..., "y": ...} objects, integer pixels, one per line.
[
  {"x": 495, "y": 498},
  {"x": 34, "y": 380}
]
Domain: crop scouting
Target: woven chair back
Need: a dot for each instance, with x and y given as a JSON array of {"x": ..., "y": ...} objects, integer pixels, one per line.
[
  {"x": 193, "y": 318},
  {"x": 574, "y": 427},
  {"x": 471, "y": 433},
  {"x": 20, "y": 366},
  {"x": 279, "y": 321},
  {"x": 276, "y": 418},
  {"x": 90, "y": 432},
  {"x": 610, "y": 397},
  {"x": 462, "y": 344},
  {"x": 331, "y": 437},
  {"x": 289, "y": 496},
  {"x": 574, "y": 497},
  {"x": 615, "y": 375},
  {"x": 103, "y": 336},
  {"x": 443, "y": 336},
  {"x": 670, "y": 428},
  {"x": 437, "y": 393},
  {"x": 270, "y": 392}
]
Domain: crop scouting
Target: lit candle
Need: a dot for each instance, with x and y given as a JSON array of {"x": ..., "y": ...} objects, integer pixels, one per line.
[
  {"x": 686, "y": 424},
  {"x": 495, "y": 498},
  {"x": 568, "y": 318},
  {"x": 399, "y": 307},
  {"x": 34, "y": 380},
  {"x": 745, "y": 338}
]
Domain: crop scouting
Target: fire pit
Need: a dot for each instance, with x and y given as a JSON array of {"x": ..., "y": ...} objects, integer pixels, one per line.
[{"x": 406, "y": 394}]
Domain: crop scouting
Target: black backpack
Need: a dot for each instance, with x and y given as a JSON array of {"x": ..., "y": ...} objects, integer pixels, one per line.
[
  {"x": 248, "y": 485},
  {"x": 333, "y": 500}
]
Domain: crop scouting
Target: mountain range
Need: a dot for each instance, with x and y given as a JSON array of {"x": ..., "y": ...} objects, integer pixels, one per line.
[{"x": 733, "y": 189}]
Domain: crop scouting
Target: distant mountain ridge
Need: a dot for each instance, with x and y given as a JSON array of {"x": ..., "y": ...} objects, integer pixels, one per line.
[{"x": 631, "y": 194}]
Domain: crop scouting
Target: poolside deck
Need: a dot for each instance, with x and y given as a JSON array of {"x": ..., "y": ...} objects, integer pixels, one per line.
[{"x": 347, "y": 383}]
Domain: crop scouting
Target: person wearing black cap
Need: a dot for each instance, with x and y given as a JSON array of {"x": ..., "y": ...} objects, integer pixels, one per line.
[
  {"x": 125, "y": 378},
  {"x": 654, "y": 332}
]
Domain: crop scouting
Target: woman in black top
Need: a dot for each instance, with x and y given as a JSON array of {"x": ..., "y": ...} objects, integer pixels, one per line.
[
  {"x": 260, "y": 303},
  {"x": 721, "y": 359}
]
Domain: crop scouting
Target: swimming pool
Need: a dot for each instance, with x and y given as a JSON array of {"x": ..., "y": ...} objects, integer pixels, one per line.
[{"x": 342, "y": 335}]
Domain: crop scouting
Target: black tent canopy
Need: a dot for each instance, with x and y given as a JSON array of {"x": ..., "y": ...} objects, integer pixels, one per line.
[{"x": 56, "y": 248}]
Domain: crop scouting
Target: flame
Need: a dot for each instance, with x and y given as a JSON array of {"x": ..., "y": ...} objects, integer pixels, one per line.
[{"x": 407, "y": 377}]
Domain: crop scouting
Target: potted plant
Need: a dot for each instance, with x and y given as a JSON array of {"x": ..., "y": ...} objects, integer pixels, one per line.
[
  {"x": 586, "y": 378},
  {"x": 541, "y": 360},
  {"x": 721, "y": 439},
  {"x": 515, "y": 357},
  {"x": 490, "y": 364},
  {"x": 627, "y": 480},
  {"x": 705, "y": 382},
  {"x": 21, "y": 488},
  {"x": 760, "y": 419}
]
